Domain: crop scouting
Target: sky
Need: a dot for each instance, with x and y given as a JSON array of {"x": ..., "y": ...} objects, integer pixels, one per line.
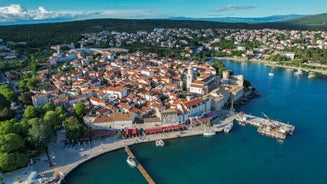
[{"x": 32, "y": 10}]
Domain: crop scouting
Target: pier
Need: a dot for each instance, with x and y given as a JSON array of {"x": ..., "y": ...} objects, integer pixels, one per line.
[
  {"x": 139, "y": 166},
  {"x": 272, "y": 128}
]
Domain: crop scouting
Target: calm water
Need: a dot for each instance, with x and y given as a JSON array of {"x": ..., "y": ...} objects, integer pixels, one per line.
[{"x": 243, "y": 156}]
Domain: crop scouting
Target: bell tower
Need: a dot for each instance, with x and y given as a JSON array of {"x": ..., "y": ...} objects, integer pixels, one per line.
[{"x": 189, "y": 77}]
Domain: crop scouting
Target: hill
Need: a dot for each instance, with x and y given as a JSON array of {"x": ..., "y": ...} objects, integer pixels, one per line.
[
  {"x": 313, "y": 21},
  {"x": 275, "y": 18},
  {"x": 37, "y": 35}
]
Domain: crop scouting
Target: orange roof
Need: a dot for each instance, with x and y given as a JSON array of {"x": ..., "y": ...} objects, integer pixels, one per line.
[
  {"x": 102, "y": 119},
  {"x": 192, "y": 103}
]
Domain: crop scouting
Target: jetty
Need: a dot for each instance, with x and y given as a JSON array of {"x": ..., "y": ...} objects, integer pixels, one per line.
[
  {"x": 139, "y": 166},
  {"x": 266, "y": 126}
]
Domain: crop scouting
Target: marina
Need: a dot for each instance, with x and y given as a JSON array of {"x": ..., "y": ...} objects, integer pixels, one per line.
[{"x": 266, "y": 126}]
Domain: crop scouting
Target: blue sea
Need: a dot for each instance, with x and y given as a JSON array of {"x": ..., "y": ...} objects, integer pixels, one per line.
[{"x": 242, "y": 156}]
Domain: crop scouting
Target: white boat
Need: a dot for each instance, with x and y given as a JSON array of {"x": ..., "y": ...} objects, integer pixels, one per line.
[
  {"x": 271, "y": 74},
  {"x": 160, "y": 143},
  {"x": 228, "y": 127},
  {"x": 298, "y": 72},
  {"x": 311, "y": 75},
  {"x": 209, "y": 133},
  {"x": 131, "y": 161}
]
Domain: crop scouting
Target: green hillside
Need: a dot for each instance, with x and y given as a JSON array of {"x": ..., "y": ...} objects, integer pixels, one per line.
[
  {"x": 313, "y": 22},
  {"x": 37, "y": 35}
]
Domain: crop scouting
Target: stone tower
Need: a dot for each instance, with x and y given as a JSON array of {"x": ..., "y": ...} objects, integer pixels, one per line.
[
  {"x": 189, "y": 77},
  {"x": 58, "y": 50}
]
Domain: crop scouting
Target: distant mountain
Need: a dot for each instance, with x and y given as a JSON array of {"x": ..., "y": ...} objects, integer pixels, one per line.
[
  {"x": 275, "y": 18},
  {"x": 314, "y": 21}
]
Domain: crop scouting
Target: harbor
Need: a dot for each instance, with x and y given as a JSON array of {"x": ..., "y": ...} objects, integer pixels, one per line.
[
  {"x": 266, "y": 126},
  {"x": 67, "y": 159}
]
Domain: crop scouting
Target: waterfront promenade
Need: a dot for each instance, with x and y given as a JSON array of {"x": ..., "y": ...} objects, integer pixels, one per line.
[{"x": 65, "y": 159}]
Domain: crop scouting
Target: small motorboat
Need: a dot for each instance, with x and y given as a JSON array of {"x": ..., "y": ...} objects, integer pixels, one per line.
[
  {"x": 209, "y": 133},
  {"x": 160, "y": 143},
  {"x": 131, "y": 161}
]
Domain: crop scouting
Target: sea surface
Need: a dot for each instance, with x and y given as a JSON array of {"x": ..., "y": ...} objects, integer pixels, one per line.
[{"x": 242, "y": 156}]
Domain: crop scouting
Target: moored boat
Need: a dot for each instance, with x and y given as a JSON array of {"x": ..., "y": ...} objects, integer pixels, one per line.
[
  {"x": 311, "y": 75},
  {"x": 209, "y": 133},
  {"x": 131, "y": 161},
  {"x": 228, "y": 127},
  {"x": 160, "y": 143}
]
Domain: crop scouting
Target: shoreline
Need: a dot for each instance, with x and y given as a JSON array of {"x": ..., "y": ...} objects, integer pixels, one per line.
[
  {"x": 109, "y": 147},
  {"x": 67, "y": 159},
  {"x": 269, "y": 63}
]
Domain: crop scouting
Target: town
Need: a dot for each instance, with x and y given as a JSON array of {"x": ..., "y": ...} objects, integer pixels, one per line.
[{"x": 115, "y": 88}]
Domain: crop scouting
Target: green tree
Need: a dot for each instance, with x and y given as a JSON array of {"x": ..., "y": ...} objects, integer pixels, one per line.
[
  {"x": 32, "y": 83},
  {"x": 35, "y": 121},
  {"x": 219, "y": 66},
  {"x": 11, "y": 142},
  {"x": 49, "y": 107},
  {"x": 6, "y": 114},
  {"x": 22, "y": 84},
  {"x": 75, "y": 130},
  {"x": 7, "y": 127},
  {"x": 39, "y": 135},
  {"x": 8, "y": 92},
  {"x": 12, "y": 161},
  {"x": 26, "y": 98},
  {"x": 51, "y": 118},
  {"x": 79, "y": 110},
  {"x": 30, "y": 112},
  {"x": 4, "y": 102}
]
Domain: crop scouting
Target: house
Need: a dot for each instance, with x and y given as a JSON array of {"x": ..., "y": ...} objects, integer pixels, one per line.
[
  {"x": 119, "y": 91},
  {"x": 191, "y": 108},
  {"x": 122, "y": 120},
  {"x": 167, "y": 117},
  {"x": 39, "y": 100},
  {"x": 97, "y": 102},
  {"x": 75, "y": 99},
  {"x": 102, "y": 122}
]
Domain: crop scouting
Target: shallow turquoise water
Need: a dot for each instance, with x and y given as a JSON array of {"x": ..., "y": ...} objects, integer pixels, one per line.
[{"x": 243, "y": 156}]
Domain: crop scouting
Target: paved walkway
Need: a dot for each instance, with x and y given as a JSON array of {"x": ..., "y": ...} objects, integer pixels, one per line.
[{"x": 65, "y": 159}]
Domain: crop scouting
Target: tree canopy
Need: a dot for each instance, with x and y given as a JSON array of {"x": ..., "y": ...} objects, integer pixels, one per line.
[
  {"x": 11, "y": 142},
  {"x": 12, "y": 161},
  {"x": 30, "y": 112},
  {"x": 79, "y": 110},
  {"x": 8, "y": 92},
  {"x": 39, "y": 135}
]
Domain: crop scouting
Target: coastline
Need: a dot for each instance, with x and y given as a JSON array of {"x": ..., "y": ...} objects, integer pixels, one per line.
[
  {"x": 269, "y": 63},
  {"x": 67, "y": 159}
]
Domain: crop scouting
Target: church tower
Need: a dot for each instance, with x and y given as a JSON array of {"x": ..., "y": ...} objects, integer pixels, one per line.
[{"x": 189, "y": 77}]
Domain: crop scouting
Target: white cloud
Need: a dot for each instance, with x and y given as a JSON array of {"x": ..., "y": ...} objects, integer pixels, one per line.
[
  {"x": 16, "y": 12},
  {"x": 232, "y": 8}
]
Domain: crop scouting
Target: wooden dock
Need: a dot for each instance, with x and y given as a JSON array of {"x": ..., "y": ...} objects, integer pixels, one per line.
[{"x": 139, "y": 166}]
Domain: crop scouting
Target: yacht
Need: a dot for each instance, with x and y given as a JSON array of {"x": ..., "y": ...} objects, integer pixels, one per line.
[
  {"x": 131, "y": 161},
  {"x": 209, "y": 133},
  {"x": 160, "y": 143},
  {"x": 271, "y": 74}
]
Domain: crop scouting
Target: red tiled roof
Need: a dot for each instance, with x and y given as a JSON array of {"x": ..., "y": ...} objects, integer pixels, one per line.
[
  {"x": 102, "y": 119},
  {"x": 192, "y": 103}
]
